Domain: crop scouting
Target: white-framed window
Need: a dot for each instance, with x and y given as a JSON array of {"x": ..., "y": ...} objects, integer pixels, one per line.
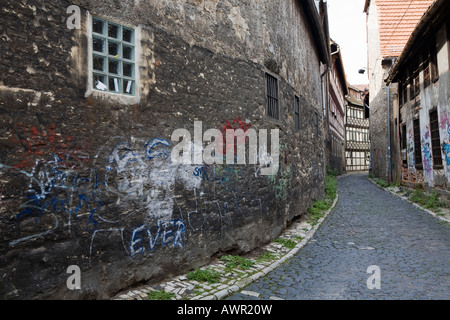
[
  {"x": 114, "y": 53},
  {"x": 113, "y": 57}
]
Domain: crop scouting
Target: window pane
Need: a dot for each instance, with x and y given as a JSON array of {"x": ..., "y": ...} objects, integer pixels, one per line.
[
  {"x": 113, "y": 31},
  {"x": 127, "y": 35},
  {"x": 128, "y": 86},
  {"x": 98, "y": 44},
  {"x": 114, "y": 84},
  {"x": 113, "y": 49},
  {"x": 127, "y": 53},
  {"x": 113, "y": 58},
  {"x": 99, "y": 63},
  {"x": 99, "y": 82},
  {"x": 98, "y": 26},
  {"x": 128, "y": 69},
  {"x": 113, "y": 66}
]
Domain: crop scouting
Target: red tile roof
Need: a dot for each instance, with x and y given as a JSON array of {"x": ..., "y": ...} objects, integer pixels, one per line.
[
  {"x": 397, "y": 19},
  {"x": 360, "y": 87}
]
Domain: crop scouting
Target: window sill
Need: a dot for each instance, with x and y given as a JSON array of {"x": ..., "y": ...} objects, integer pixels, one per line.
[
  {"x": 113, "y": 97},
  {"x": 273, "y": 120}
]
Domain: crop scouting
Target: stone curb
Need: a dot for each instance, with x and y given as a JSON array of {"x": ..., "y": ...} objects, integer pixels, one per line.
[
  {"x": 406, "y": 199},
  {"x": 225, "y": 290}
]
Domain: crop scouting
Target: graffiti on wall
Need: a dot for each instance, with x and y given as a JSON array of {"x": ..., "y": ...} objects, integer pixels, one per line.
[
  {"x": 446, "y": 149},
  {"x": 70, "y": 191},
  {"x": 443, "y": 120},
  {"x": 410, "y": 152},
  {"x": 427, "y": 159},
  {"x": 36, "y": 143}
]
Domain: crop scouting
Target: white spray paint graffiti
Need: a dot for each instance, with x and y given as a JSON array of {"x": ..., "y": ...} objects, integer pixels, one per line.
[{"x": 132, "y": 175}]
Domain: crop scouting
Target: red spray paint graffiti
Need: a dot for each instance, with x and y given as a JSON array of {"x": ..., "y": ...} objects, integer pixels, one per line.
[
  {"x": 36, "y": 143},
  {"x": 234, "y": 125}
]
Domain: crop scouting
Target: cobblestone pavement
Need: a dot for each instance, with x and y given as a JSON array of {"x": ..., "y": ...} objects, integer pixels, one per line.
[{"x": 368, "y": 226}]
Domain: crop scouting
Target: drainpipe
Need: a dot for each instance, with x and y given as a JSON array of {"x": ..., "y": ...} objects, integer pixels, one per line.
[
  {"x": 370, "y": 137},
  {"x": 324, "y": 106},
  {"x": 389, "y": 124}
]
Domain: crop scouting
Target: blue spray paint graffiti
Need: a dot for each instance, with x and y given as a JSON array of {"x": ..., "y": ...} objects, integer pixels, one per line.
[
  {"x": 89, "y": 195},
  {"x": 427, "y": 159},
  {"x": 167, "y": 233},
  {"x": 446, "y": 149}
]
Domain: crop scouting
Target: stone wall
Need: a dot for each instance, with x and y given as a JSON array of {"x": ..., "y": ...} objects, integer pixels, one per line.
[{"x": 86, "y": 177}]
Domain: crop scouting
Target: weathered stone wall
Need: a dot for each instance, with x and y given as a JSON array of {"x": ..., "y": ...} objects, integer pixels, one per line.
[{"x": 87, "y": 179}]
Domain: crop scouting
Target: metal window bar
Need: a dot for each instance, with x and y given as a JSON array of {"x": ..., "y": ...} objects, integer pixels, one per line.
[
  {"x": 417, "y": 146},
  {"x": 297, "y": 113},
  {"x": 272, "y": 96},
  {"x": 435, "y": 139}
]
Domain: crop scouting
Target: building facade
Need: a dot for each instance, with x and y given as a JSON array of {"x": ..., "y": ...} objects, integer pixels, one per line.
[
  {"x": 336, "y": 111},
  {"x": 389, "y": 25},
  {"x": 95, "y": 99},
  {"x": 357, "y": 127},
  {"x": 421, "y": 142}
]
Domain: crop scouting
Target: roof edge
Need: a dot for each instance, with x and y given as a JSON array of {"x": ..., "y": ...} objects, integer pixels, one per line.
[
  {"x": 319, "y": 35},
  {"x": 427, "y": 16},
  {"x": 366, "y": 5}
]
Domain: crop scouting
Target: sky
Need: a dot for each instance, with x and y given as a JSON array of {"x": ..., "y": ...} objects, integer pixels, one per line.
[{"x": 348, "y": 28}]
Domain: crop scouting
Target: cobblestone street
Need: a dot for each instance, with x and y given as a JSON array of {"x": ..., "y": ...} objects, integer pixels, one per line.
[{"x": 367, "y": 227}]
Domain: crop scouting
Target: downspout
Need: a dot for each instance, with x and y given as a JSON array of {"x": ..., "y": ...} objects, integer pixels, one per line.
[
  {"x": 389, "y": 124},
  {"x": 322, "y": 76},
  {"x": 370, "y": 137}
]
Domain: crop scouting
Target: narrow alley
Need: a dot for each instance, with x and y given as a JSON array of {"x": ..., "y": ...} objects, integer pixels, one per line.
[{"x": 368, "y": 227}]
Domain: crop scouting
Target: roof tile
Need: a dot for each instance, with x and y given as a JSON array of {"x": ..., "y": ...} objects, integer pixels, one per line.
[{"x": 397, "y": 19}]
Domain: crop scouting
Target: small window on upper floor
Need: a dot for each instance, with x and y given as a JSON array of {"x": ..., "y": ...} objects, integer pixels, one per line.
[
  {"x": 434, "y": 71},
  {"x": 405, "y": 90},
  {"x": 272, "y": 96},
  {"x": 113, "y": 57}
]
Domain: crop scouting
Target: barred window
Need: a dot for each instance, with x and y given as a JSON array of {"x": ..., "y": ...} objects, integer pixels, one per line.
[
  {"x": 417, "y": 145},
  {"x": 403, "y": 143},
  {"x": 272, "y": 96},
  {"x": 416, "y": 84},
  {"x": 113, "y": 57},
  {"x": 435, "y": 139}
]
